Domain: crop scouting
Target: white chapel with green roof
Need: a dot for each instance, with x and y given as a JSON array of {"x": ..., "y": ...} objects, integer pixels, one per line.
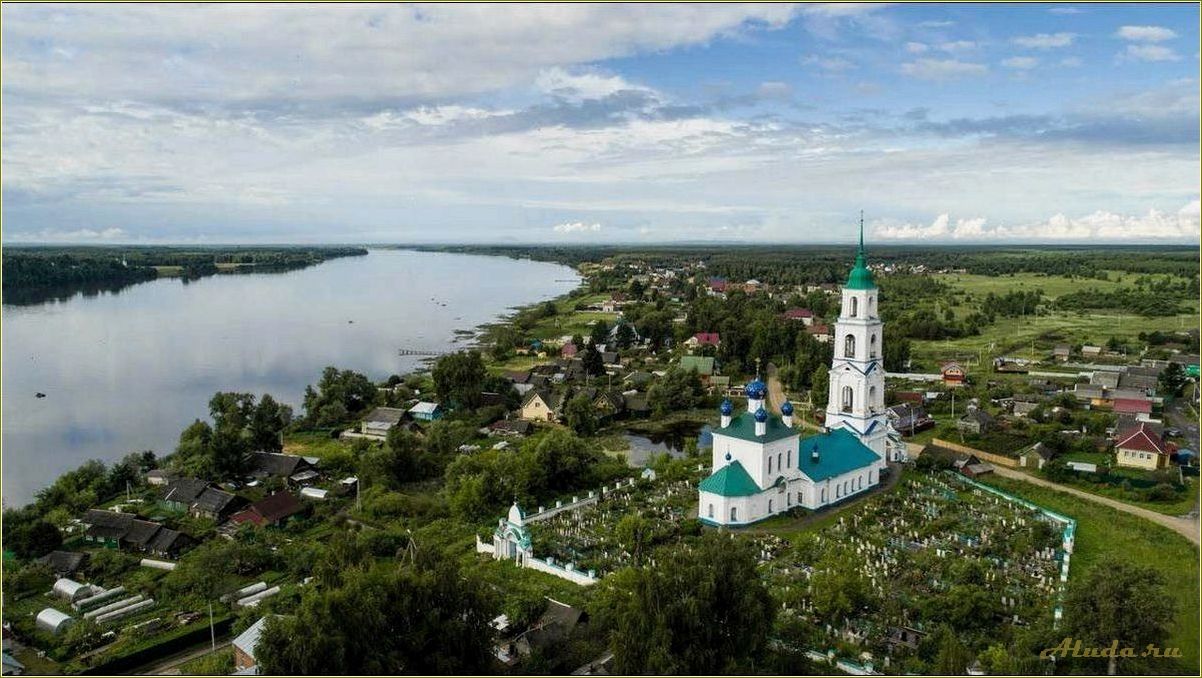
[{"x": 763, "y": 466}]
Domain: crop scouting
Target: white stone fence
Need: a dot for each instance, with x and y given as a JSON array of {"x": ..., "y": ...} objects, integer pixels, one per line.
[{"x": 543, "y": 513}]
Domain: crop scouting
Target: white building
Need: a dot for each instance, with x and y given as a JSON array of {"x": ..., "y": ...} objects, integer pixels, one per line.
[{"x": 762, "y": 465}]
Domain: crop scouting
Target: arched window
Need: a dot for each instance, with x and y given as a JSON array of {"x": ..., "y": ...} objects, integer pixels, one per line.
[
  {"x": 871, "y": 396},
  {"x": 711, "y": 512},
  {"x": 769, "y": 506},
  {"x": 854, "y": 306},
  {"x": 789, "y": 499},
  {"x": 734, "y": 514},
  {"x": 869, "y": 476},
  {"x": 824, "y": 495},
  {"x": 769, "y": 464},
  {"x": 778, "y": 467},
  {"x": 789, "y": 459},
  {"x": 871, "y": 307},
  {"x": 849, "y": 346},
  {"x": 872, "y": 346},
  {"x": 848, "y": 398}
]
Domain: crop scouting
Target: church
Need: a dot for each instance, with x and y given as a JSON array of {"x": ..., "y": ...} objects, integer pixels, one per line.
[{"x": 762, "y": 464}]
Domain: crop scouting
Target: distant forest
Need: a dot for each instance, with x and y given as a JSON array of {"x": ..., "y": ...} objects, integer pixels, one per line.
[
  {"x": 805, "y": 264},
  {"x": 36, "y": 274}
]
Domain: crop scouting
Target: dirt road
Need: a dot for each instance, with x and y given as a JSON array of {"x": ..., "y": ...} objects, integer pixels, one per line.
[
  {"x": 776, "y": 398},
  {"x": 1186, "y": 527}
]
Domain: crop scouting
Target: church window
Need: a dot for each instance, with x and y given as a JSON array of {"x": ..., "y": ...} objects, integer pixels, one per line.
[
  {"x": 871, "y": 396},
  {"x": 711, "y": 512},
  {"x": 848, "y": 399},
  {"x": 824, "y": 495},
  {"x": 871, "y": 306},
  {"x": 770, "y": 464},
  {"x": 778, "y": 467},
  {"x": 849, "y": 346},
  {"x": 789, "y": 459},
  {"x": 872, "y": 346},
  {"x": 869, "y": 477},
  {"x": 734, "y": 513},
  {"x": 854, "y": 305},
  {"x": 789, "y": 499},
  {"x": 769, "y": 506}
]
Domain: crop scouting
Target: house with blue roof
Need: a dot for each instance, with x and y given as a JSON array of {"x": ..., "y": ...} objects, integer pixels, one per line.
[{"x": 762, "y": 466}]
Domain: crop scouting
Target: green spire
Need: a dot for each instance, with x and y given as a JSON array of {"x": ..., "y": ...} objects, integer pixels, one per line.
[{"x": 860, "y": 277}]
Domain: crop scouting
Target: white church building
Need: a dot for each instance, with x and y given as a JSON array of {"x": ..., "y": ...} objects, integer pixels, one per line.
[{"x": 763, "y": 466}]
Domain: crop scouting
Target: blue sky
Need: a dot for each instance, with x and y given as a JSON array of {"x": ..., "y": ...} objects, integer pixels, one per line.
[{"x": 600, "y": 123}]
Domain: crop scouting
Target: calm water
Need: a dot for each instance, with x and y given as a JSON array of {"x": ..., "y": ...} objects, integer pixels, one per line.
[{"x": 128, "y": 371}]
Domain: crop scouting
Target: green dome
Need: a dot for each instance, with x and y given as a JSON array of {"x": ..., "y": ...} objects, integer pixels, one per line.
[{"x": 860, "y": 277}]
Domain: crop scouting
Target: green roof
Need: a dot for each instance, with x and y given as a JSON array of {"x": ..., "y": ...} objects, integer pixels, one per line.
[
  {"x": 703, "y": 364},
  {"x": 731, "y": 481},
  {"x": 860, "y": 277},
  {"x": 839, "y": 451},
  {"x": 743, "y": 427}
]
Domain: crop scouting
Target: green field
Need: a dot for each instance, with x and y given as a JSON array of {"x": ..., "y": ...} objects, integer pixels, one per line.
[{"x": 1102, "y": 531}]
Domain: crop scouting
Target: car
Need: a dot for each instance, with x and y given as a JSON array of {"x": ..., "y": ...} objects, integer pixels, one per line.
[{"x": 1174, "y": 432}]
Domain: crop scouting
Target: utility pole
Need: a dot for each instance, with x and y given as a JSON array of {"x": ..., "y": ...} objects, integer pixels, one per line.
[{"x": 212, "y": 631}]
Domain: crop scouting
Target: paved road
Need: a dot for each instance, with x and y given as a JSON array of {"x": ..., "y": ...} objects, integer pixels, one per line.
[{"x": 1186, "y": 527}]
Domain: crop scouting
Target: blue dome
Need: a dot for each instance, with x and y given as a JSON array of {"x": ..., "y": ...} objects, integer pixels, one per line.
[
  {"x": 756, "y": 390},
  {"x": 726, "y": 407},
  {"x": 761, "y": 415},
  {"x": 787, "y": 408}
]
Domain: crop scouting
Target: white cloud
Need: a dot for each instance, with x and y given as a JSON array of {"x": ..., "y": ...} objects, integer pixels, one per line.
[
  {"x": 957, "y": 46},
  {"x": 1146, "y": 33},
  {"x": 1065, "y": 10},
  {"x": 942, "y": 69},
  {"x": 834, "y": 64},
  {"x": 1101, "y": 225},
  {"x": 841, "y": 9},
  {"x": 577, "y": 227},
  {"x": 583, "y": 85},
  {"x": 916, "y": 47},
  {"x": 1045, "y": 40},
  {"x": 774, "y": 89},
  {"x": 80, "y": 235},
  {"x": 1021, "y": 63},
  {"x": 1071, "y": 62},
  {"x": 1148, "y": 53}
]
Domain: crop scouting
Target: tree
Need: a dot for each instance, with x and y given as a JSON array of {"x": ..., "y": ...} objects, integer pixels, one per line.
[
  {"x": 267, "y": 421},
  {"x": 599, "y": 333},
  {"x": 700, "y": 610},
  {"x": 580, "y": 415},
  {"x": 1118, "y": 600},
  {"x": 678, "y": 390},
  {"x": 458, "y": 377},
  {"x": 1171, "y": 380},
  {"x": 624, "y": 336},
  {"x": 592, "y": 362},
  {"x": 634, "y": 533},
  {"x": 423, "y": 618},
  {"x": 340, "y": 394},
  {"x": 821, "y": 384},
  {"x": 31, "y": 540}
]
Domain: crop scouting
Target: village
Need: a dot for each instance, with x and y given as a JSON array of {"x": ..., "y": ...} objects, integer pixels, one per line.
[{"x": 646, "y": 372}]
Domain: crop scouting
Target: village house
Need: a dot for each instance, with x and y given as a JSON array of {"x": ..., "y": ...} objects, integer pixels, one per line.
[
  {"x": 126, "y": 531},
  {"x": 975, "y": 421},
  {"x": 64, "y": 563},
  {"x": 379, "y": 421},
  {"x": 279, "y": 465},
  {"x": 703, "y": 339},
  {"x": 157, "y": 477},
  {"x": 215, "y": 504},
  {"x": 1105, "y": 379},
  {"x": 702, "y": 365},
  {"x": 820, "y": 332},
  {"x": 569, "y": 350},
  {"x": 804, "y": 315},
  {"x": 1023, "y": 404},
  {"x": 245, "y": 645},
  {"x": 1146, "y": 379},
  {"x": 275, "y": 509},
  {"x": 953, "y": 374},
  {"x": 972, "y": 467},
  {"x": 1036, "y": 456},
  {"x": 1088, "y": 351},
  {"x": 426, "y": 411},
  {"x": 908, "y": 418},
  {"x": 1140, "y": 447},
  {"x": 511, "y": 427},
  {"x": 1062, "y": 352},
  {"x": 542, "y": 405}
]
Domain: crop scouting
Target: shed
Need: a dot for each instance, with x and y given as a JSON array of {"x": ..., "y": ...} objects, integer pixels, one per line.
[
  {"x": 70, "y": 590},
  {"x": 313, "y": 493},
  {"x": 64, "y": 563},
  {"x": 53, "y": 621},
  {"x": 245, "y": 644}
]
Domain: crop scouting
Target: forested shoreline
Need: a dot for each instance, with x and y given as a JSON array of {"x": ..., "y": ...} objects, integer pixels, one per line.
[{"x": 33, "y": 274}]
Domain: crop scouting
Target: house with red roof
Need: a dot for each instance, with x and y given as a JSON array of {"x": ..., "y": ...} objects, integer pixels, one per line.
[
  {"x": 703, "y": 339},
  {"x": 1132, "y": 406},
  {"x": 820, "y": 332},
  {"x": 804, "y": 315},
  {"x": 569, "y": 350},
  {"x": 953, "y": 374},
  {"x": 272, "y": 510},
  {"x": 1140, "y": 447}
]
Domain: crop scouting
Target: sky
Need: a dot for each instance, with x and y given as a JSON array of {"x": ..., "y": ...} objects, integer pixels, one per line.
[{"x": 748, "y": 123}]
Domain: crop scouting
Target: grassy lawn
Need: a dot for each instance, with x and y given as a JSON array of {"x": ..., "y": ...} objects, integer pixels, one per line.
[
  {"x": 1102, "y": 532},
  {"x": 37, "y": 666},
  {"x": 314, "y": 444}
]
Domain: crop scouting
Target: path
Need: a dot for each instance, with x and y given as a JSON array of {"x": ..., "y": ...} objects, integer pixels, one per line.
[
  {"x": 1186, "y": 527},
  {"x": 170, "y": 665},
  {"x": 776, "y": 398}
]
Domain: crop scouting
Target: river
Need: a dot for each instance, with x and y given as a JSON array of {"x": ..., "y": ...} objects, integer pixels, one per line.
[{"x": 127, "y": 371}]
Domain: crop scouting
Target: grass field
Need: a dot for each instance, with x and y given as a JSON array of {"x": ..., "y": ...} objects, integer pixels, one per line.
[
  {"x": 1103, "y": 532},
  {"x": 1024, "y": 337}
]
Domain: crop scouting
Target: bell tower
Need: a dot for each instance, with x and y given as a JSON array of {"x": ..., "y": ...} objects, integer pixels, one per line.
[{"x": 857, "y": 375}]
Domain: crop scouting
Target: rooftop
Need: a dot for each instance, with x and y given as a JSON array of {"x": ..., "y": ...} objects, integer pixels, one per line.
[
  {"x": 731, "y": 480},
  {"x": 743, "y": 427},
  {"x": 839, "y": 451}
]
